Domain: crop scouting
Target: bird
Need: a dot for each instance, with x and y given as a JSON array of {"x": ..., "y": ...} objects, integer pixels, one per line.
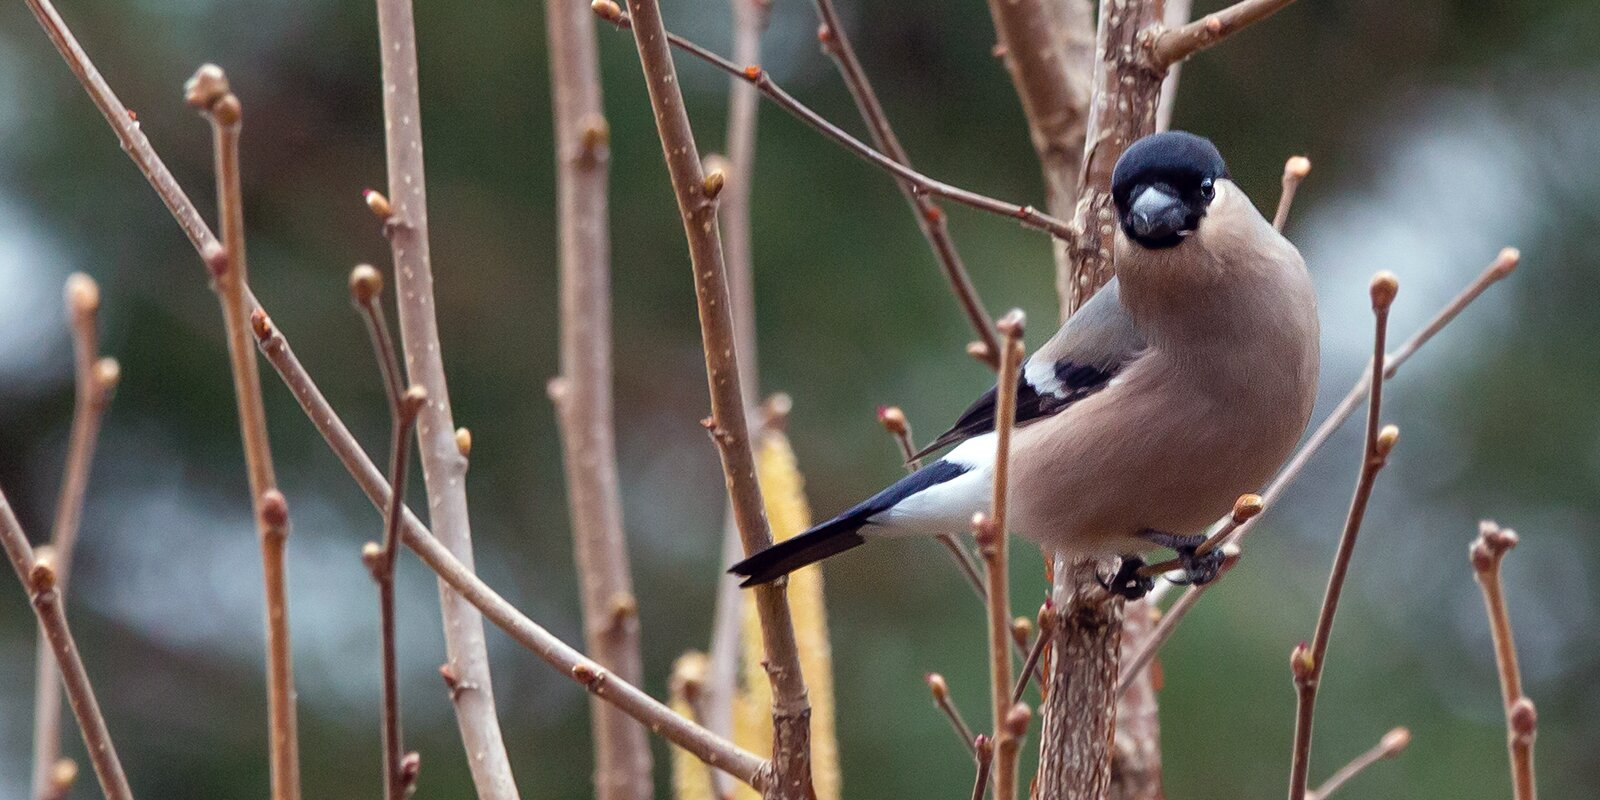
[{"x": 1185, "y": 382}]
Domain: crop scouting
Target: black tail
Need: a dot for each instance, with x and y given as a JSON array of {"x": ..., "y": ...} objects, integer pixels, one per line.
[{"x": 834, "y": 536}]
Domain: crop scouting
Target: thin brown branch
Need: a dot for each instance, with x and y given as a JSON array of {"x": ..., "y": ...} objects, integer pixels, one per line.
[
  {"x": 994, "y": 546},
  {"x": 1246, "y": 508},
  {"x": 1028, "y": 216},
  {"x": 94, "y": 379},
  {"x": 583, "y": 395},
  {"x": 444, "y": 467},
  {"x": 1522, "y": 719},
  {"x": 1502, "y": 266},
  {"x": 38, "y": 578},
  {"x": 1048, "y": 49},
  {"x": 714, "y": 750},
  {"x": 835, "y": 41},
  {"x": 1390, "y": 746},
  {"x": 208, "y": 92},
  {"x": 1168, "y": 47},
  {"x": 983, "y": 753},
  {"x": 366, "y": 290},
  {"x": 460, "y": 635},
  {"x": 1307, "y": 664},
  {"x": 791, "y": 711},
  {"x": 1295, "y": 170},
  {"x": 941, "y": 700},
  {"x": 1175, "y": 14},
  {"x": 1135, "y": 664},
  {"x": 1030, "y": 662}
]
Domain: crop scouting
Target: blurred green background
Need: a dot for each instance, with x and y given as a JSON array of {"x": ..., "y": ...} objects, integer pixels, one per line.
[{"x": 1440, "y": 131}]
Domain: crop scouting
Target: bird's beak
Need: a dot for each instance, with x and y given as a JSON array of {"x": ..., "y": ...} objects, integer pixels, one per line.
[{"x": 1156, "y": 215}]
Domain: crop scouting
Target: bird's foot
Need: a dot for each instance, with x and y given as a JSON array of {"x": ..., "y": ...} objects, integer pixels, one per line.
[
  {"x": 1200, "y": 570},
  {"x": 1128, "y": 583}
]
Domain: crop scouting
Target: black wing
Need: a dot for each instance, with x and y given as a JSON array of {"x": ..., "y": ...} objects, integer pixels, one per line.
[{"x": 1076, "y": 381}]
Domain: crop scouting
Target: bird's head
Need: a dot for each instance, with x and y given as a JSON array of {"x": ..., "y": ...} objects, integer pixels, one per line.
[{"x": 1163, "y": 185}]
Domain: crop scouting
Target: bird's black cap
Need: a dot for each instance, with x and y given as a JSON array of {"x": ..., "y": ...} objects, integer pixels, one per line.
[{"x": 1182, "y": 168}]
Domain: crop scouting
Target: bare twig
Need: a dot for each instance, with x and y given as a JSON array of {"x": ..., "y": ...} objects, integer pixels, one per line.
[
  {"x": 1009, "y": 747},
  {"x": 1152, "y": 644},
  {"x": 1307, "y": 664},
  {"x": 714, "y": 750},
  {"x": 208, "y": 91},
  {"x": 993, "y": 545},
  {"x": 1048, "y": 48},
  {"x": 941, "y": 699},
  {"x": 366, "y": 290},
  {"x": 1175, "y": 14},
  {"x": 1246, "y": 508},
  {"x": 444, "y": 467},
  {"x": 460, "y": 635},
  {"x": 38, "y": 579},
  {"x": 791, "y": 711},
  {"x": 94, "y": 378},
  {"x": 583, "y": 397},
  {"x": 1027, "y": 215},
  {"x": 1030, "y": 662},
  {"x": 1390, "y": 746},
  {"x": 983, "y": 752},
  {"x": 1168, "y": 47},
  {"x": 835, "y": 42},
  {"x": 1295, "y": 170},
  {"x": 1522, "y": 719},
  {"x": 1502, "y": 266}
]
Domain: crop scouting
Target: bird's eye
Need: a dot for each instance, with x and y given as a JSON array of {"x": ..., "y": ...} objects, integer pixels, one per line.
[{"x": 1207, "y": 190}]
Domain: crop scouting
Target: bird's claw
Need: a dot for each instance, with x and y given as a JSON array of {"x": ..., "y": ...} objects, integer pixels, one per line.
[
  {"x": 1200, "y": 570},
  {"x": 1128, "y": 583}
]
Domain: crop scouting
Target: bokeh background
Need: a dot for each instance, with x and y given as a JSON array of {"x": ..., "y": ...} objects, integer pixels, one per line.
[{"x": 1440, "y": 131}]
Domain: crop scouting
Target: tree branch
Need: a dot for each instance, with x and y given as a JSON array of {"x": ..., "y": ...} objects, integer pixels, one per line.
[
  {"x": 444, "y": 467},
  {"x": 1079, "y": 710},
  {"x": 38, "y": 579},
  {"x": 1307, "y": 664},
  {"x": 208, "y": 91},
  {"x": 1390, "y": 746},
  {"x": 583, "y": 396},
  {"x": 1175, "y": 14},
  {"x": 94, "y": 379},
  {"x": 993, "y": 545},
  {"x": 1048, "y": 48},
  {"x": 791, "y": 712},
  {"x": 1029, "y": 216},
  {"x": 714, "y": 750},
  {"x": 930, "y": 217},
  {"x": 1522, "y": 719},
  {"x": 1295, "y": 170},
  {"x": 1169, "y": 46}
]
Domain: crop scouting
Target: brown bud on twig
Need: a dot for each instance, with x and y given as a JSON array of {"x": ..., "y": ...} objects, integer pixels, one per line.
[
  {"x": 592, "y": 676},
  {"x": 607, "y": 10},
  {"x": 714, "y": 181},
  {"x": 227, "y": 110},
  {"x": 412, "y": 401},
  {"x": 1384, "y": 288},
  {"x": 63, "y": 774},
  {"x": 1022, "y": 630},
  {"x": 451, "y": 680},
  {"x": 378, "y": 203},
  {"x": 1506, "y": 262},
  {"x": 1247, "y": 507},
  {"x": 208, "y": 85},
  {"x": 107, "y": 374},
  {"x": 1387, "y": 439},
  {"x": 410, "y": 767},
  {"x": 893, "y": 420},
  {"x": 1297, "y": 167},
  {"x": 366, "y": 283},
  {"x": 1395, "y": 742},
  {"x": 980, "y": 351},
  {"x": 274, "y": 509},
  {"x": 216, "y": 259},
  {"x": 1011, "y": 325},
  {"x": 983, "y": 528},
  {"x": 775, "y": 411},
  {"x": 1017, "y": 720},
  {"x": 464, "y": 442},
  {"x": 624, "y": 607},
  {"x": 372, "y": 556},
  {"x": 596, "y": 134},
  {"x": 261, "y": 324},
  {"x": 1524, "y": 718},
  {"x": 938, "y": 686},
  {"x": 42, "y": 575},
  {"x": 83, "y": 295},
  {"x": 1301, "y": 663}
]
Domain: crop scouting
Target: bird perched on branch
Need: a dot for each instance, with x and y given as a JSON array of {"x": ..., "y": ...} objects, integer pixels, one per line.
[{"x": 1184, "y": 383}]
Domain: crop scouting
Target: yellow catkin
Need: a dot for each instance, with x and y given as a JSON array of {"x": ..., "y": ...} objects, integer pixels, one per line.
[
  {"x": 783, "y": 490},
  {"x": 691, "y": 779}
]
